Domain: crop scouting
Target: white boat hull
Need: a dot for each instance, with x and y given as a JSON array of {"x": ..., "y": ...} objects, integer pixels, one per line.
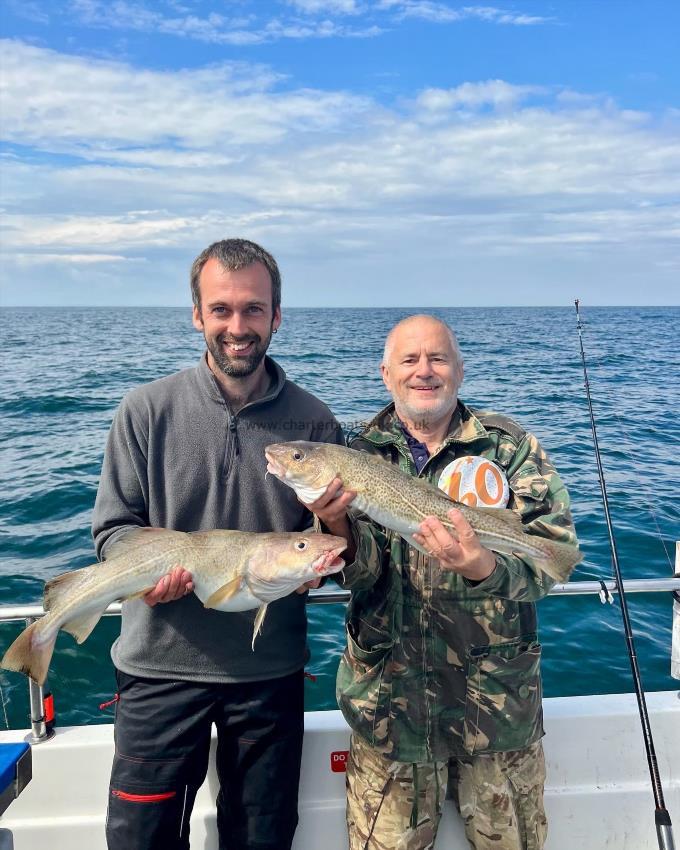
[{"x": 598, "y": 792}]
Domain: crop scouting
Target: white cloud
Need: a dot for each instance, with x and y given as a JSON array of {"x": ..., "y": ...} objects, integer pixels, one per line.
[
  {"x": 30, "y": 10},
  {"x": 299, "y": 19},
  {"x": 426, "y": 10},
  {"x": 442, "y": 13},
  {"x": 152, "y": 166},
  {"x": 253, "y": 24},
  {"x": 342, "y": 7},
  {"x": 496, "y": 93},
  {"x": 37, "y": 259},
  {"x": 216, "y": 28},
  {"x": 128, "y": 231},
  {"x": 502, "y": 16},
  {"x": 66, "y": 103}
]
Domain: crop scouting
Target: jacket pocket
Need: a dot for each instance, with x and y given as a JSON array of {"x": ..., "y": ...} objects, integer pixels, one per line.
[
  {"x": 503, "y": 700},
  {"x": 364, "y": 688},
  {"x": 529, "y": 484}
]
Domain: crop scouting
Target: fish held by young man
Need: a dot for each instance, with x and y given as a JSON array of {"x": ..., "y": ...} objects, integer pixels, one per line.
[
  {"x": 231, "y": 570},
  {"x": 401, "y": 502}
]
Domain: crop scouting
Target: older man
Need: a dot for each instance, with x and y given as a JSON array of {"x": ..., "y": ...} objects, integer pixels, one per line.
[{"x": 440, "y": 680}]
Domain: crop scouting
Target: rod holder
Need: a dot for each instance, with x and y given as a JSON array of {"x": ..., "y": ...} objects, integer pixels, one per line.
[
  {"x": 41, "y": 727},
  {"x": 675, "y": 633}
]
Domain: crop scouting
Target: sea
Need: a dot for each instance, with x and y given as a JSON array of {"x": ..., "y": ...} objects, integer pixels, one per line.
[{"x": 66, "y": 369}]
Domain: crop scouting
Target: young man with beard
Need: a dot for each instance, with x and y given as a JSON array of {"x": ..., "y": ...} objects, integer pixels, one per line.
[
  {"x": 440, "y": 680},
  {"x": 186, "y": 452}
]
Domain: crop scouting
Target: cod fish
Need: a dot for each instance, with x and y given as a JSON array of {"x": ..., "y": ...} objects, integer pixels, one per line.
[
  {"x": 401, "y": 502},
  {"x": 232, "y": 571}
]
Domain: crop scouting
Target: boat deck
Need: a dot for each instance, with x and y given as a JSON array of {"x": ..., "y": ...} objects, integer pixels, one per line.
[{"x": 598, "y": 793}]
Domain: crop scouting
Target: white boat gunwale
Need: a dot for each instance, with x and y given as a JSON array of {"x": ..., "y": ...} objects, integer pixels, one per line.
[
  {"x": 326, "y": 596},
  {"x": 598, "y": 793}
]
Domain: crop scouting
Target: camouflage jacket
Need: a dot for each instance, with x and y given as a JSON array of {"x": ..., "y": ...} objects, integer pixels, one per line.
[{"x": 436, "y": 665}]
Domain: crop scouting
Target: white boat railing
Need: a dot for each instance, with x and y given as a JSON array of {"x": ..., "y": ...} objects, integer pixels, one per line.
[{"x": 326, "y": 596}]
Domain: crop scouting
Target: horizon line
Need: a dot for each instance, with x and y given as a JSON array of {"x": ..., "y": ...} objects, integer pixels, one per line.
[{"x": 338, "y": 306}]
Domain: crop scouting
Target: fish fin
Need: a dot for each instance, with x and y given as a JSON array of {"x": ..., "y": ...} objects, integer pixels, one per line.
[
  {"x": 132, "y": 539},
  {"x": 58, "y": 587},
  {"x": 561, "y": 560},
  {"x": 412, "y": 542},
  {"x": 555, "y": 558},
  {"x": 27, "y": 656},
  {"x": 257, "y": 625},
  {"x": 81, "y": 627},
  {"x": 224, "y": 593}
]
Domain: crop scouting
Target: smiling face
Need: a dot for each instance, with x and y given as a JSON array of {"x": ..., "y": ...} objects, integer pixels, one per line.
[
  {"x": 422, "y": 371},
  {"x": 236, "y": 316}
]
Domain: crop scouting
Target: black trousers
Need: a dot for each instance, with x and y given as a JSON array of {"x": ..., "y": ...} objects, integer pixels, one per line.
[{"x": 162, "y": 736}]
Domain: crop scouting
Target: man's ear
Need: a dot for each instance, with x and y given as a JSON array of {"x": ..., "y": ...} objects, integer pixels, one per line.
[
  {"x": 196, "y": 318},
  {"x": 276, "y": 320},
  {"x": 385, "y": 372}
]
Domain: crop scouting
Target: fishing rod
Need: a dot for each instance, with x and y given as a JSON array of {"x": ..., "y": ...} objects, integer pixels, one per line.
[{"x": 664, "y": 828}]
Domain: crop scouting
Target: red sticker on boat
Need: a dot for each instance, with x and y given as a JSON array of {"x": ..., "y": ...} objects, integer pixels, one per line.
[
  {"x": 339, "y": 761},
  {"x": 48, "y": 708}
]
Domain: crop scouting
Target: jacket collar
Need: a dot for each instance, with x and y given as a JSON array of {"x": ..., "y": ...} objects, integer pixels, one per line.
[
  {"x": 209, "y": 383},
  {"x": 385, "y": 427}
]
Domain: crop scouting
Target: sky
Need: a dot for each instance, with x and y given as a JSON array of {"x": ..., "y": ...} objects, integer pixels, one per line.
[{"x": 415, "y": 153}]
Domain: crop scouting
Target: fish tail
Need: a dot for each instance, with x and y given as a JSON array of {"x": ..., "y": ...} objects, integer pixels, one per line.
[
  {"x": 29, "y": 655},
  {"x": 560, "y": 559}
]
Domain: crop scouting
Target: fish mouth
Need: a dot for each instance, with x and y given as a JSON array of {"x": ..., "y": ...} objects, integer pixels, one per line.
[
  {"x": 274, "y": 466},
  {"x": 330, "y": 562}
]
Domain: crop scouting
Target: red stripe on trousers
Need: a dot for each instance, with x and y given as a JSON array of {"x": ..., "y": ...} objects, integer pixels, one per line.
[{"x": 143, "y": 798}]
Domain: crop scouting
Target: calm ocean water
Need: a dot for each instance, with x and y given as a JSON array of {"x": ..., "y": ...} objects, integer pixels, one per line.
[{"x": 67, "y": 369}]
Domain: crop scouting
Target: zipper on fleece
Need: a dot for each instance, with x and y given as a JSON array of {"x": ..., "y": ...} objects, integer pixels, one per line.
[
  {"x": 234, "y": 436},
  {"x": 232, "y": 447}
]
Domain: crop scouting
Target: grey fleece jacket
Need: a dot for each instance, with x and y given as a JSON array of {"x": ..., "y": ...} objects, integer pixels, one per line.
[{"x": 177, "y": 457}]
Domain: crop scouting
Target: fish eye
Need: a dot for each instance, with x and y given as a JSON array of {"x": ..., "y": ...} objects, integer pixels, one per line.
[
  {"x": 301, "y": 545},
  {"x": 297, "y": 455}
]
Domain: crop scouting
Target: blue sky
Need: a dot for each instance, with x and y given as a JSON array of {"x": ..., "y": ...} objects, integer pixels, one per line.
[{"x": 394, "y": 153}]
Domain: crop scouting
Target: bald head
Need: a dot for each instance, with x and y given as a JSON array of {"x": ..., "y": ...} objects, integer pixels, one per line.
[
  {"x": 422, "y": 368},
  {"x": 416, "y": 325}
]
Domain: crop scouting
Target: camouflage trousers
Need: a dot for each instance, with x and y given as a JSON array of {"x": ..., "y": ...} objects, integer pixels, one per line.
[{"x": 397, "y": 806}]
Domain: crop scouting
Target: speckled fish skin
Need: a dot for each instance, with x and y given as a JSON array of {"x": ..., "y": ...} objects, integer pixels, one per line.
[
  {"x": 401, "y": 502},
  {"x": 231, "y": 571}
]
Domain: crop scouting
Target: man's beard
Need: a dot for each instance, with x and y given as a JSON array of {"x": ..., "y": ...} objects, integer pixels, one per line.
[
  {"x": 429, "y": 416},
  {"x": 237, "y": 367}
]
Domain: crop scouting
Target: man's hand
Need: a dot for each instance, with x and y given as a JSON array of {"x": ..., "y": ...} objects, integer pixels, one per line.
[
  {"x": 466, "y": 555},
  {"x": 331, "y": 507},
  {"x": 174, "y": 585}
]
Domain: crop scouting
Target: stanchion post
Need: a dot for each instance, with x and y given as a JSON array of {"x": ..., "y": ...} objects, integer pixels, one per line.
[
  {"x": 40, "y": 732},
  {"x": 675, "y": 639}
]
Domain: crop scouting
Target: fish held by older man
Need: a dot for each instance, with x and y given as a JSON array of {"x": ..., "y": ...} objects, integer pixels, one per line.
[
  {"x": 232, "y": 571},
  {"x": 401, "y": 502}
]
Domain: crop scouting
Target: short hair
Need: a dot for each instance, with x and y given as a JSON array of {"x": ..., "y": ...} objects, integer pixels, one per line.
[
  {"x": 232, "y": 255},
  {"x": 387, "y": 351}
]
